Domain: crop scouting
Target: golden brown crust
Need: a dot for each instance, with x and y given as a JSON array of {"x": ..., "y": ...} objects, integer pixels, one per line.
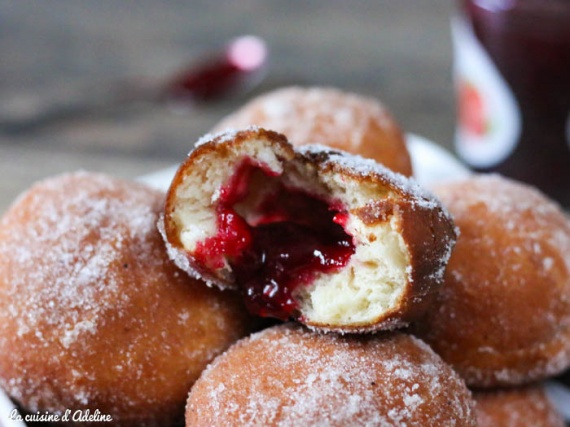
[
  {"x": 503, "y": 315},
  {"x": 92, "y": 313},
  {"x": 289, "y": 376},
  {"x": 428, "y": 234},
  {"x": 517, "y": 407},
  {"x": 342, "y": 120}
]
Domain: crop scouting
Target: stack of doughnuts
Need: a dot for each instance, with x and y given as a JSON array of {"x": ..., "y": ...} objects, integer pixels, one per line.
[{"x": 385, "y": 303}]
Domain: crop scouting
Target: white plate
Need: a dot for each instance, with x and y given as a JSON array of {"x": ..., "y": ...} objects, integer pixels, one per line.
[{"x": 431, "y": 164}]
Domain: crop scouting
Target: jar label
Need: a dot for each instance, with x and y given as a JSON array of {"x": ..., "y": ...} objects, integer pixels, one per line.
[{"x": 489, "y": 120}]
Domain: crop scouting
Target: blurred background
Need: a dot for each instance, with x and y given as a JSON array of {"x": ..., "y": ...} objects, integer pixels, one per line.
[{"x": 68, "y": 51}]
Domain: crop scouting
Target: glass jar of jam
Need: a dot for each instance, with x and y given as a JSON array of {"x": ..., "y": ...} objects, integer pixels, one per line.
[{"x": 512, "y": 74}]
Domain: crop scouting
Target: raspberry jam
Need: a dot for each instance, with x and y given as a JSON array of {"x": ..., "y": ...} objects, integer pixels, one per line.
[
  {"x": 296, "y": 238},
  {"x": 292, "y": 239},
  {"x": 233, "y": 237}
]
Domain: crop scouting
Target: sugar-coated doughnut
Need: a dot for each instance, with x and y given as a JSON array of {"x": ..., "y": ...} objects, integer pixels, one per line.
[
  {"x": 516, "y": 407},
  {"x": 503, "y": 315},
  {"x": 93, "y": 314},
  {"x": 319, "y": 115},
  {"x": 288, "y": 376},
  {"x": 334, "y": 240}
]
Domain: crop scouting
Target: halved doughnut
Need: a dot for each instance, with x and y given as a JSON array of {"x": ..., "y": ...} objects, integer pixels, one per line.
[{"x": 331, "y": 239}]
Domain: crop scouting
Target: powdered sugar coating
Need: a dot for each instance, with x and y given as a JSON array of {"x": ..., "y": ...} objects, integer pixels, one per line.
[
  {"x": 319, "y": 115},
  {"x": 287, "y": 376},
  {"x": 368, "y": 168},
  {"x": 278, "y": 109},
  {"x": 92, "y": 313},
  {"x": 503, "y": 315},
  {"x": 516, "y": 407},
  {"x": 221, "y": 136}
]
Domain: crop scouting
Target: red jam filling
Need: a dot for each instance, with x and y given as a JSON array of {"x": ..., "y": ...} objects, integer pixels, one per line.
[{"x": 294, "y": 238}]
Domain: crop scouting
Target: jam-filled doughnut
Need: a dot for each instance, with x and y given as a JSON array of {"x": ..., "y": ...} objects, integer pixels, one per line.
[
  {"x": 93, "y": 314},
  {"x": 289, "y": 376},
  {"x": 516, "y": 407},
  {"x": 503, "y": 315},
  {"x": 334, "y": 240},
  {"x": 319, "y": 115}
]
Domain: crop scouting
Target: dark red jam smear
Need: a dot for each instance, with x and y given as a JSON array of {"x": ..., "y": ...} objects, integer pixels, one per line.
[{"x": 295, "y": 237}]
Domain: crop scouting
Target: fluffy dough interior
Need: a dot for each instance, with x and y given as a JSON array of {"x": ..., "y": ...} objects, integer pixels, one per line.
[
  {"x": 194, "y": 215},
  {"x": 370, "y": 285}
]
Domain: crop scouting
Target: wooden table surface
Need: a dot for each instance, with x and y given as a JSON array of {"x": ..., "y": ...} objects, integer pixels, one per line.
[{"x": 398, "y": 51}]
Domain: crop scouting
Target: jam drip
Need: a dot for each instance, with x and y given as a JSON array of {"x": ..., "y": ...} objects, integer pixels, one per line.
[{"x": 294, "y": 238}]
